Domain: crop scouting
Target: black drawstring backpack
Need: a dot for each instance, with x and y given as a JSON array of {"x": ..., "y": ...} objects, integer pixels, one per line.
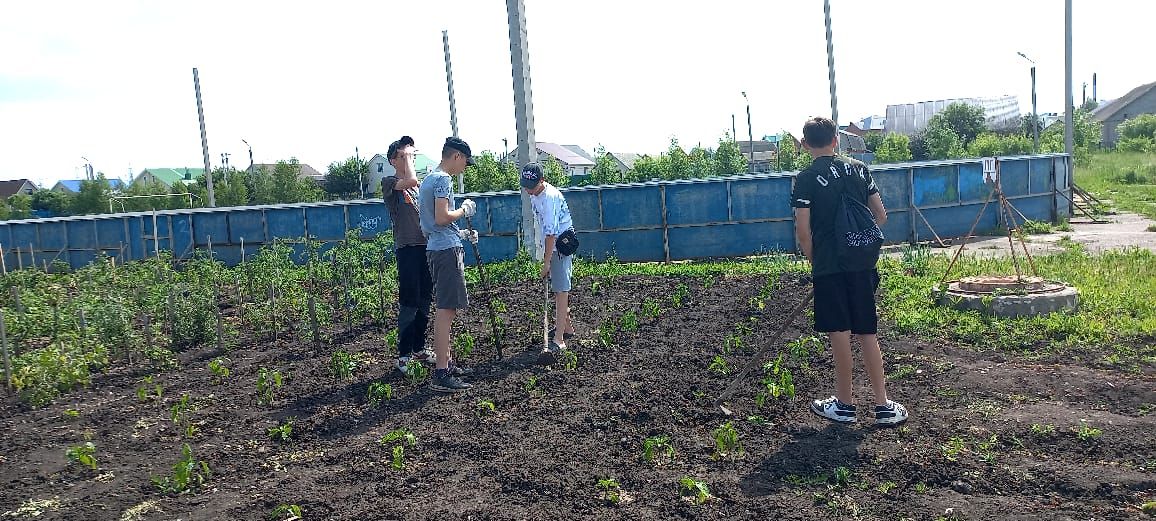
[{"x": 859, "y": 237}]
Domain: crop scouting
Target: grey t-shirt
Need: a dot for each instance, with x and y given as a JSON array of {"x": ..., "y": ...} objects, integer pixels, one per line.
[
  {"x": 437, "y": 185},
  {"x": 403, "y": 207}
]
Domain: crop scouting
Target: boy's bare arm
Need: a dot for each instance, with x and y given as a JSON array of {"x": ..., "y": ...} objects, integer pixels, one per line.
[
  {"x": 803, "y": 230},
  {"x": 875, "y": 203},
  {"x": 442, "y": 214}
]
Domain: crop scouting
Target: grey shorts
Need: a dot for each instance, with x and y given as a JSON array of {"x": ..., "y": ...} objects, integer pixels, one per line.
[
  {"x": 561, "y": 269},
  {"x": 447, "y": 269}
]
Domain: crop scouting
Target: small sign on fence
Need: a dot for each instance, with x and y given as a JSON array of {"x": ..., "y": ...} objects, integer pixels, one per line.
[{"x": 989, "y": 169}]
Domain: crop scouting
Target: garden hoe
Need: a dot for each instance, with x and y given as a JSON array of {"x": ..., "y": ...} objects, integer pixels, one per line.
[
  {"x": 547, "y": 356},
  {"x": 754, "y": 361},
  {"x": 486, "y": 290}
]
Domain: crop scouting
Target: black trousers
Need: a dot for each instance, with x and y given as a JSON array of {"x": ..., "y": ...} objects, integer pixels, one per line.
[{"x": 414, "y": 295}]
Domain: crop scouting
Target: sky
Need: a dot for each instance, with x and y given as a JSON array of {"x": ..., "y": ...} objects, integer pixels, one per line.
[{"x": 112, "y": 81}]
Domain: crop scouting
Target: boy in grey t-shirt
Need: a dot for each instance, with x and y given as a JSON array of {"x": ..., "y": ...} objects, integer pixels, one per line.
[{"x": 444, "y": 255}]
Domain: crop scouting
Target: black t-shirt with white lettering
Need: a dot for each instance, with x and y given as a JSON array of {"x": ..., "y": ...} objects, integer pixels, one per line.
[{"x": 818, "y": 188}]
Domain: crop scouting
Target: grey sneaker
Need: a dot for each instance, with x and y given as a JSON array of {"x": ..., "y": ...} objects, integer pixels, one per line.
[
  {"x": 834, "y": 410},
  {"x": 891, "y": 414},
  {"x": 402, "y": 365},
  {"x": 448, "y": 383},
  {"x": 549, "y": 355},
  {"x": 457, "y": 370}
]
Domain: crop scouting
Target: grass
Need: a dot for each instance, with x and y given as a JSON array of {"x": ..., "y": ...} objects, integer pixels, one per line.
[
  {"x": 1128, "y": 179},
  {"x": 1115, "y": 315}
]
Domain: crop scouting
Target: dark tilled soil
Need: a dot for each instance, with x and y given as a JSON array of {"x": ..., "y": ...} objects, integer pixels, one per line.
[{"x": 969, "y": 451}]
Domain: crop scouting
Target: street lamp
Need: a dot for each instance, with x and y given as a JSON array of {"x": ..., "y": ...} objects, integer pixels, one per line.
[
  {"x": 250, "y": 153},
  {"x": 750, "y": 135},
  {"x": 87, "y": 168},
  {"x": 1035, "y": 116}
]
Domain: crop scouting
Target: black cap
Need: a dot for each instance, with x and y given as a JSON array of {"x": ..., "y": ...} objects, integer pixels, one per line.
[
  {"x": 460, "y": 146},
  {"x": 405, "y": 141},
  {"x": 531, "y": 175}
]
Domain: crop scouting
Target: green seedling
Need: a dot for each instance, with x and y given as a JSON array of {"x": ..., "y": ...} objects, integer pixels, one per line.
[
  {"x": 401, "y": 435},
  {"x": 841, "y": 477},
  {"x": 611, "y": 490},
  {"x": 719, "y": 365},
  {"x": 758, "y": 420},
  {"x": 986, "y": 449},
  {"x": 416, "y": 372},
  {"x": 283, "y": 432},
  {"x": 285, "y": 512},
  {"x": 569, "y": 360},
  {"x": 486, "y": 407},
  {"x": 398, "y": 461},
  {"x": 147, "y": 390},
  {"x": 694, "y": 490},
  {"x": 595, "y": 287},
  {"x": 726, "y": 441},
  {"x": 606, "y": 334},
  {"x": 902, "y": 371},
  {"x": 181, "y": 410},
  {"x": 463, "y": 346},
  {"x": 342, "y": 365},
  {"x": 391, "y": 339},
  {"x": 268, "y": 384},
  {"x": 801, "y": 348},
  {"x": 777, "y": 382},
  {"x": 651, "y": 308},
  {"x": 84, "y": 454},
  {"x": 953, "y": 448},
  {"x": 188, "y": 474},
  {"x": 1149, "y": 507},
  {"x": 1087, "y": 432},
  {"x": 681, "y": 293},
  {"x": 886, "y": 486},
  {"x": 71, "y": 414},
  {"x": 655, "y": 446},
  {"x": 220, "y": 372},
  {"x": 629, "y": 322},
  {"x": 379, "y": 392},
  {"x": 920, "y": 487},
  {"x": 531, "y": 385}
]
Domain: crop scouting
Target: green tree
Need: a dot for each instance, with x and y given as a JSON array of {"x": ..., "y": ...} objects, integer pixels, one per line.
[
  {"x": 92, "y": 197},
  {"x": 57, "y": 203},
  {"x": 1142, "y": 126},
  {"x": 872, "y": 140},
  {"x": 785, "y": 159},
  {"x": 702, "y": 163},
  {"x": 1085, "y": 137},
  {"x": 259, "y": 184},
  {"x": 677, "y": 162},
  {"x": 144, "y": 204},
  {"x": 343, "y": 179},
  {"x": 287, "y": 186},
  {"x": 20, "y": 206},
  {"x": 729, "y": 159},
  {"x": 605, "y": 169},
  {"x": 942, "y": 142},
  {"x": 554, "y": 173},
  {"x": 1089, "y": 105},
  {"x": 964, "y": 120},
  {"x": 488, "y": 174},
  {"x": 230, "y": 187},
  {"x": 646, "y": 168},
  {"x": 894, "y": 148}
]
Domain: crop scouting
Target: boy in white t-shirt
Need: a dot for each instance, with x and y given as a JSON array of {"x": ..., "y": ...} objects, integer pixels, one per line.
[{"x": 553, "y": 218}]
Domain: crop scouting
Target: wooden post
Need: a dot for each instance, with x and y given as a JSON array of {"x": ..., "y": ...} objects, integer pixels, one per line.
[
  {"x": 148, "y": 331},
  {"x": 3, "y": 261},
  {"x": 16, "y": 300},
  {"x": 220, "y": 323},
  {"x": 348, "y": 297},
  {"x": 171, "y": 315},
  {"x": 273, "y": 308},
  {"x": 381, "y": 290},
  {"x": 4, "y": 344},
  {"x": 313, "y": 326},
  {"x": 32, "y": 255},
  {"x": 83, "y": 325},
  {"x": 55, "y": 321}
]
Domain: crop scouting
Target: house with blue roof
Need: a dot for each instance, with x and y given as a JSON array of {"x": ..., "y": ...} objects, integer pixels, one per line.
[{"x": 72, "y": 186}]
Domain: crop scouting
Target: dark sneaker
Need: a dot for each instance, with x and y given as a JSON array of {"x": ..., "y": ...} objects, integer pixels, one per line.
[
  {"x": 891, "y": 414},
  {"x": 565, "y": 336},
  {"x": 425, "y": 356},
  {"x": 834, "y": 410},
  {"x": 448, "y": 383},
  {"x": 549, "y": 355},
  {"x": 457, "y": 370}
]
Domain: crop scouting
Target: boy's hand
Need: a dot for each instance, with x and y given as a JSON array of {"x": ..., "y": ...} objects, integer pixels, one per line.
[
  {"x": 468, "y": 208},
  {"x": 545, "y": 274},
  {"x": 469, "y": 235}
]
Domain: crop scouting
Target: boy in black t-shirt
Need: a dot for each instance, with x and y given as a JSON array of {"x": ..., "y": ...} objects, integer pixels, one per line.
[{"x": 845, "y": 278}]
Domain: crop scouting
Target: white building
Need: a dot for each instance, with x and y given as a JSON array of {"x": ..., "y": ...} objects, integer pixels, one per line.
[{"x": 910, "y": 118}]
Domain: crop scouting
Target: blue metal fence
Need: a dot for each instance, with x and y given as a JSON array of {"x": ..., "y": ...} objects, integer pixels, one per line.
[{"x": 654, "y": 221}]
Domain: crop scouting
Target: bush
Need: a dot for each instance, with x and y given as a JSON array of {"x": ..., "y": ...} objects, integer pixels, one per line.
[
  {"x": 942, "y": 143},
  {"x": 1136, "y": 144},
  {"x": 1142, "y": 126},
  {"x": 893, "y": 149}
]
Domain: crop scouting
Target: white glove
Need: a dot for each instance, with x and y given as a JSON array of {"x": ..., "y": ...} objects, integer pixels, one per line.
[
  {"x": 468, "y": 208},
  {"x": 469, "y": 235}
]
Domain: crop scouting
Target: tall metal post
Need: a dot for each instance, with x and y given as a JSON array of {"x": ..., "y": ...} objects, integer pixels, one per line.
[
  {"x": 453, "y": 106},
  {"x": 1035, "y": 116},
  {"x": 831, "y": 62},
  {"x": 523, "y": 109},
  {"x": 750, "y": 135},
  {"x": 1068, "y": 108},
  {"x": 734, "y": 130},
  {"x": 204, "y": 140}
]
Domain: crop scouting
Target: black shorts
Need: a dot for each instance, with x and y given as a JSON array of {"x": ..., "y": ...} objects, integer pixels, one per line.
[
  {"x": 414, "y": 285},
  {"x": 846, "y": 302}
]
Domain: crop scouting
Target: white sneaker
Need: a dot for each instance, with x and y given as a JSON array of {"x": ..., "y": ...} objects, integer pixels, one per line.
[
  {"x": 834, "y": 410},
  {"x": 401, "y": 365},
  {"x": 425, "y": 356},
  {"x": 891, "y": 414}
]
